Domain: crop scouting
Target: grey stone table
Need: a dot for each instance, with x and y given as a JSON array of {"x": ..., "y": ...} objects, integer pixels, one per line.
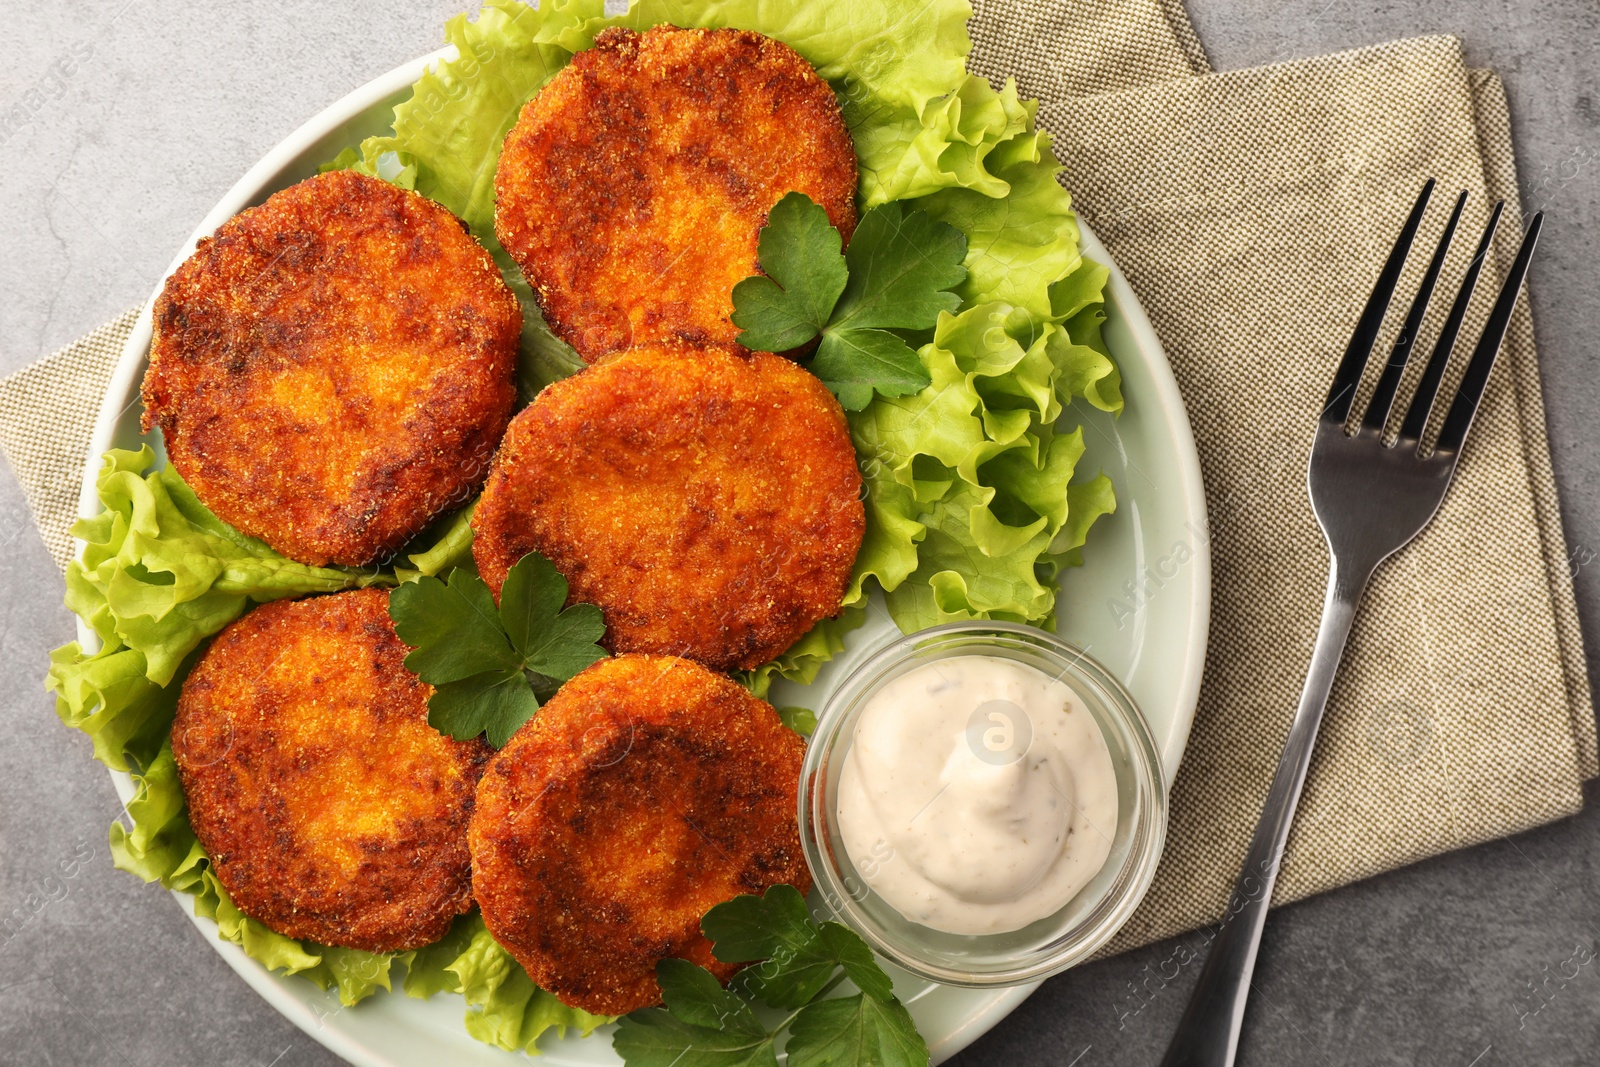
[{"x": 1436, "y": 964}]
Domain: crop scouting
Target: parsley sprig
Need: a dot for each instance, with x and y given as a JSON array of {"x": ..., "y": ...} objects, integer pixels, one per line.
[
  {"x": 705, "y": 1025},
  {"x": 489, "y": 664},
  {"x": 896, "y": 275}
]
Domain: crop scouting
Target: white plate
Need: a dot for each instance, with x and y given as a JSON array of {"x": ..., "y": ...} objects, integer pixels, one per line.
[{"x": 1141, "y": 607}]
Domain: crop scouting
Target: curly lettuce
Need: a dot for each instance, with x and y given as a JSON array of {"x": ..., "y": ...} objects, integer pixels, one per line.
[
  {"x": 160, "y": 573},
  {"x": 803, "y": 659},
  {"x": 971, "y": 481},
  {"x": 504, "y": 1007},
  {"x": 447, "y": 545}
]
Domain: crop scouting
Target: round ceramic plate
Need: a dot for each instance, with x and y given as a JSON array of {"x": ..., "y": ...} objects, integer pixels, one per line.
[{"x": 1140, "y": 606}]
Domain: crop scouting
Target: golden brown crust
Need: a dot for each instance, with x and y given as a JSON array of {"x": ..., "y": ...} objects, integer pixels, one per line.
[
  {"x": 334, "y": 368},
  {"x": 633, "y": 186},
  {"x": 707, "y": 501},
  {"x": 645, "y": 792},
  {"x": 329, "y": 807}
]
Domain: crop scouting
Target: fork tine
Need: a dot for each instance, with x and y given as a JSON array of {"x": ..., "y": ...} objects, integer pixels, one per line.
[
  {"x": 1345, "y": 380},
  {"x": 1416, "y": 420},
  {"x": 1459, "y": 421},
  {"x": 1377, "y": 415}
]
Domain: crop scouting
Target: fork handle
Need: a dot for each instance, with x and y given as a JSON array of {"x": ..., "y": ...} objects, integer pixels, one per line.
[{"x": 1208, "y": 1035}]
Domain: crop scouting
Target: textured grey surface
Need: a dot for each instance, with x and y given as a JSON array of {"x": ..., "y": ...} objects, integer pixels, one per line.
[{"x": 1481, "y": 957}]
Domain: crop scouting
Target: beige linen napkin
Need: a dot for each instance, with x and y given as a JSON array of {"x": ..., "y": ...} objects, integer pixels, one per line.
[
  {"x": 47, "y": 411},
  {"x": 1250, "y": 212}
]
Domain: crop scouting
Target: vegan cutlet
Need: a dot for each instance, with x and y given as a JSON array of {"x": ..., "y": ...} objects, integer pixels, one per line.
[
  {"x": 334, "y": 368},
  {"x": 633, "y": 186},
  {"x": 328, "y": 806},
  {"x": 706, "y": 500},
  {"x": 647, "y": 791}
]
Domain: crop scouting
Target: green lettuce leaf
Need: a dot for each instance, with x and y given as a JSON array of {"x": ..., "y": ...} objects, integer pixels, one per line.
[
  {"x": 975, "y": 476},
  {"x": 802, "y": 721},
  {"x": 972, "y": 507},
  {"x": 160, "y": 572},
  {"x": 447, "y": 545},
  {"x": 505, "y": 1008},
  {"x": 1020, "y": 243},
  {"x": 1089, "y": 371},
  {"x": 428, "y": 968},
  {"x": 108, "y": 696},
  {"x": 803, "y": 659}
]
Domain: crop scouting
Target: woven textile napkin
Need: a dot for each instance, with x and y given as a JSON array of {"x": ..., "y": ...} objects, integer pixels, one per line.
[{"x": 1251, "y": 212}]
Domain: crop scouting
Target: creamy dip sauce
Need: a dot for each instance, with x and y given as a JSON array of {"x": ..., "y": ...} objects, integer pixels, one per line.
[{"x": 978, "y": 795}]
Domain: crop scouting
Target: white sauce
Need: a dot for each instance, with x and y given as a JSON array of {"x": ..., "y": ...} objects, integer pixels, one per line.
[{"x": 978, "y": 795}]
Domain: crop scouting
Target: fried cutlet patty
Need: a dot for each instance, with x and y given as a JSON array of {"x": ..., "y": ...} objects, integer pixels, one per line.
[
  {"x": 707, "y": 500},
  {"x": 334, "y": 368},
  {"x": 633, "y": 186},
  {"x": 645, "y": 792},
  {"x": 329, "y": 807}
]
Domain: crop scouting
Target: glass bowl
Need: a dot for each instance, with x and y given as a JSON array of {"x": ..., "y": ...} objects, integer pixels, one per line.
[{"x": 1046, "y": 946}]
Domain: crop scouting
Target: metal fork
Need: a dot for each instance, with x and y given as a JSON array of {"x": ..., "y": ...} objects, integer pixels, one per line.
[{"x": 1370, "y": 499}]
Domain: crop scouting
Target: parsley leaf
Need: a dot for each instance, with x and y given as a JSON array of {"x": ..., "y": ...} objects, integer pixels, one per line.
[
  {"x": 483, "y": 661},
  {"x": 846, "y": 946},
  {"x": 758, "y": 928},
  {"x": 799, "y": 956},
  {"x": 902, "y": 266},
  {"x": 805, "y": 272},
  {"x": 705, "y": 1025},
  {"x": 777, "y": 930},
  {"x": 802, "y": 721},
  {"x": 896, "y": 275},
  {"x": 656, "y": 1038},
  {"x": 553, "y": 642},
  {"x": 855, "y": 1030},
  {"x": 694, "y": 995},
  {"x": 454, "y": 628},
  {"x": 494, "y": 702}
]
